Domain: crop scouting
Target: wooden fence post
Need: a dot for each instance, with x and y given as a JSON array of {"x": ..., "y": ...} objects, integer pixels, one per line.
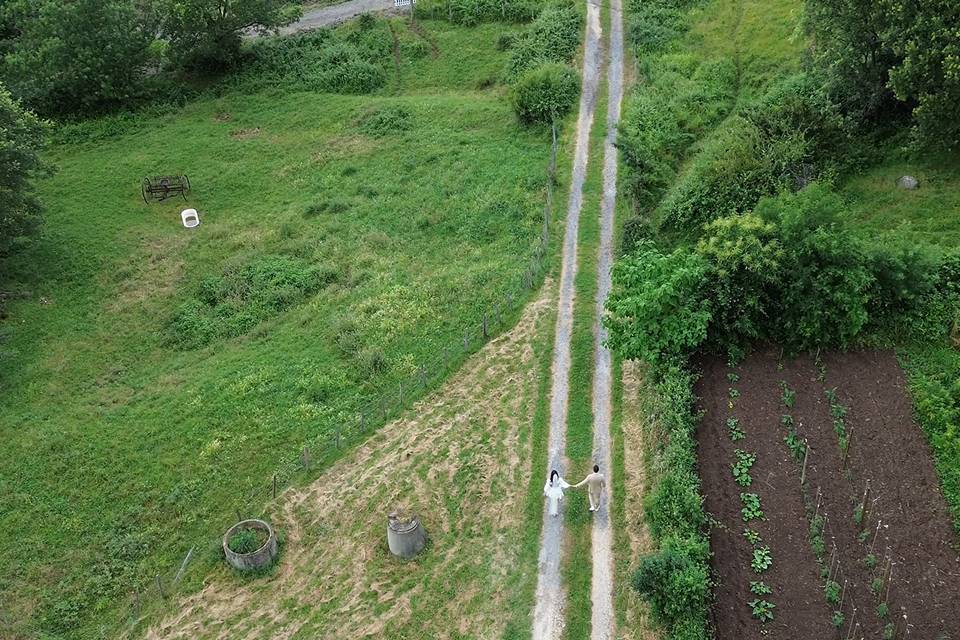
[
  {"x": 160, "y": 587},
  {"x": 274, "y": 485},
  {"x": 485, "y": 334}
]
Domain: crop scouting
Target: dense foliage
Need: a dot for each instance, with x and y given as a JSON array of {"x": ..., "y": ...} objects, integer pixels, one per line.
[
  {"x": 878, "y": 54},
  {"x": 206, "y": 34},
  {"x": 676, "y": 578},
  {"x": 545, "y": 94},
  {"x": 87, "y": 56},
  {"x": 553, "y": 37},
  {"x": 21, "y": 140},
  {"x": 77, "y": 56}
]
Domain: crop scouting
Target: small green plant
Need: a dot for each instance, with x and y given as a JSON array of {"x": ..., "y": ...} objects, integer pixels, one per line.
[
  {"x": 733, "y": 393},
  {"x": 863, "y": 536},
  {"x": 795, "y": 444},
  {"x": 761, "y": 560},
  {"x": 762, "y": 610},
  {"x": 733, "y": 378},
  {"x": 788, "y": 395},
  {"x": 858, "y": 514},
  {"x": 741, "y": 468},
  {"x": 883, "y": 610},
  {"x": 870, "y": 561},
  {"x": 876, "y": 586},
  {"x": 760, "y": 588},
  {"x": 837, "y": 619},
  {"x": 831, "y": 591},
  {"x": 733, "y": 426},
  {"x": 787, "y": 420},
  {"x": 246, "y": 541},
  {"x": 752, "y": 536},
  {"x": 751, "y": 507},
  {"x": 889, "y": 631}
]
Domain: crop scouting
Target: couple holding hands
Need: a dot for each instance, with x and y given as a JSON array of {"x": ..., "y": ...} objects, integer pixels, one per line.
[{"x": 553, "y": 490}]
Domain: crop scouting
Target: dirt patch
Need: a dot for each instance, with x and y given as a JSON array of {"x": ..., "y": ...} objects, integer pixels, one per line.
[
  {"x": 888, "y": 450},
  {"x": 905, "y": 530},
  {"x": 449, "y": 459},
  {"x": 794, "y": 576},
  {"x": 222, "y": 116},
  {"x": 245, "y": 134}
]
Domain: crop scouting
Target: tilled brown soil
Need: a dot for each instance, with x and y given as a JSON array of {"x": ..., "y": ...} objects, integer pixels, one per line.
[
  {"x": 914, "y": 537},
  {"x": 794, "y": 575},
  {"x": 889, "y": 450}
]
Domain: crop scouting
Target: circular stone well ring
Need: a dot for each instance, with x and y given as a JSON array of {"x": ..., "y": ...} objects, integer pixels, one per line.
[{"x": 255, "y": 559}]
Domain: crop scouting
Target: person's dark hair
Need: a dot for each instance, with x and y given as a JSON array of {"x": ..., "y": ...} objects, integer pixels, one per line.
[
  {"x": 553, "y": 473},
  {"x": 596, "y": 468}
]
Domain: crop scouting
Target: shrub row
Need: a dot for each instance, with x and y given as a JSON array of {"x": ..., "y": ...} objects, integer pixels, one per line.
[
  {"x": 676, "y": 579},
  {"x": 474, "y": 12},
  {"x": 790, "y": 271}
]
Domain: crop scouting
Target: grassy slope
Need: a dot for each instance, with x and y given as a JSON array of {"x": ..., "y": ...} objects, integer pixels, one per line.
[{"x": 121, "y": 451}]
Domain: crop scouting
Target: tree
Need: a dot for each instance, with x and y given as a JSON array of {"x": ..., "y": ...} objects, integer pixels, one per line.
[
  {"x": 79, "y": 56},
  {"x": 927, "y": 39},
  {"x": 206, "y": 34},
  {"x": 21, "y": 140}
]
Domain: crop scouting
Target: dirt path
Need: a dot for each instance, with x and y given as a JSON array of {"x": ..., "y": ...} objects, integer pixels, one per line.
[
  {"x": 548, "y": 612},
  {"x": 335, "y": 14},
  {"x": 601, "y": 585},
  {"x": 458, "y": 458}
]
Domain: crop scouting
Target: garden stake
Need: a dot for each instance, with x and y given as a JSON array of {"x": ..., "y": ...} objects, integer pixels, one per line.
[
  {"x": 817, "y": 511},
  {"x": 863, "y": 505},
  {"x": 160, "y": 587},
  {"x": 889, "y": 582},
  {"x": 850, "y": 629},
  {"x": 877, "y": 533},
  {"x": 843, "y": 592},
  {"x": 846, "y": 451},
  {"x": 806, "y": 453}
]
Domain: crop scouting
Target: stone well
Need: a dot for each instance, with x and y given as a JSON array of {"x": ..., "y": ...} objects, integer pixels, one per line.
[
  {"x": 257, "y": 559},
  {"x": 406, "y": 537}
]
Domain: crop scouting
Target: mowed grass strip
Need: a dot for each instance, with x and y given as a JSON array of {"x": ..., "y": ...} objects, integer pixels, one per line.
[{"x": 126, "y": 440}]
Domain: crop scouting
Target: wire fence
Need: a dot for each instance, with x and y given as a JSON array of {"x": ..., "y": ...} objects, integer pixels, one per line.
[{"x": 324, "y": 448}]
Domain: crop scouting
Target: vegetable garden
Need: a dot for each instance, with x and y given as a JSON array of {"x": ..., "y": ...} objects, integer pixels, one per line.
[{"x": 825, "y": 507}]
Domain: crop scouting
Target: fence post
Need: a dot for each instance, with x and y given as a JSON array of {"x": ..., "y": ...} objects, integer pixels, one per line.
[
  {"x": 160, "y": 587},
  {"x": 466, "y": 341},
  {"x": 338, "y": 435},
  {"x": 306, "y": 459},
  {"x": 136, "y": 604},
  {"x": 274, "y": 485},
  {"x": 400, "y": 385},
  {"x": 485, "y": 334},
  {"x": 363, "y": 422},
  {"x": 423, "y": 377}
]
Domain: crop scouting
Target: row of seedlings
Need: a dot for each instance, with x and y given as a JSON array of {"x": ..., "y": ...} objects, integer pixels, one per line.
[{"x": 761, "y": 608}]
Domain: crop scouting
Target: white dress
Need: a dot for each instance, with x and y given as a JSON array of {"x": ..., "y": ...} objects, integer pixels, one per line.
[{"x": 554, "y": 493}]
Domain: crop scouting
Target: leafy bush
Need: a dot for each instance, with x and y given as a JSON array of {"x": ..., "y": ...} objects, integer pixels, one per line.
[
  {"x": 245, "y": 295},
  {"x": 553, "y": 37},
  {"x": 657, "y": 311},
  {"x": 675, "y": 581},
  {"x": 545, "y": 94},
  {"x": 386, "y": 120},
  {"x": 824, "y": 299},
  {"x": 745, "y": 257},
  {"x": 246, "y": 541}
]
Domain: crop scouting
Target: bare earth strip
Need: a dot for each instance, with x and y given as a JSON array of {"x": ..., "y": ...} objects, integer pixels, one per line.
[
  {"x": 460, "y": 458},
  {"x": 638, "y": 625},
  {"x": 548, "y": 612},
  {"x": 601, "y": 586}
]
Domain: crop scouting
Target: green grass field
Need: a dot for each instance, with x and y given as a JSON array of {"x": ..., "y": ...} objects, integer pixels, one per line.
[{"x": 152, "y": 374}]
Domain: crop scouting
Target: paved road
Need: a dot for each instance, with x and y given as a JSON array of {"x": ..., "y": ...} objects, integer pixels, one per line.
[
  {"x": 548, "y": 618},
  {"x": 335, "y": 14},
  {"x": 601, "y": 585}
]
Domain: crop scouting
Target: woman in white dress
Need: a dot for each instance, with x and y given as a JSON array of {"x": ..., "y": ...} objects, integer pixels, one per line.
[{"x": 554, "y": 491}]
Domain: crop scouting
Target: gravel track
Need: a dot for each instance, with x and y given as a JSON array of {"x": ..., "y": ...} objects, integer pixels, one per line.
[
  {"x": 601, "y": 585},
  {"x": 335, "y": 14},
  {"x": 548, "y": 615}
]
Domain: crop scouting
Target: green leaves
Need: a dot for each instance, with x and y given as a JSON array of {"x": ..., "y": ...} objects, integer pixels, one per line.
[
  {"x": 741, "y": 468},
  {"x": 762, "y": 610},
  {"x": 751, "y": 507},
  {"x": 657, "y": 311},
  {"x": 761, "y": 560},
  {"x": 546, "y": 93}
]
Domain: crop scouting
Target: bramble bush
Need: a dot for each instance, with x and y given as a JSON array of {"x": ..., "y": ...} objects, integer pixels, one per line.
[
  {"x": 474, "y": 12},
  {"x": 545, "y": 94}
]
